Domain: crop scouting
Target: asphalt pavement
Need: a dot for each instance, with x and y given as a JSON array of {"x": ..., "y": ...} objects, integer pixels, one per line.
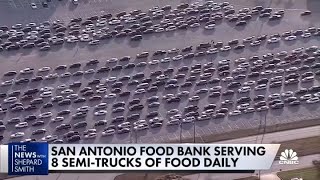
[{"x": 119, "y": 48}]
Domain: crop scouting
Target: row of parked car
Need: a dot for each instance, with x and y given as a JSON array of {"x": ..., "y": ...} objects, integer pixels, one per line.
[
  {"x": 208, "y": 112},
  {"x": 134, "y": 24}
]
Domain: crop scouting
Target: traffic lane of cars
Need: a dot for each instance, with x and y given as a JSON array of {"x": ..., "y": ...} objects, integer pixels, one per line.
[
  {"x": 72, "y": 52},
  {"x": 248, "y": 15},
  {"x": 38, "y": 59}
]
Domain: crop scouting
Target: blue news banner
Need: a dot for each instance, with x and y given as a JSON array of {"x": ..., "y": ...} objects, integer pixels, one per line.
[{"x": 28, "y": 159}]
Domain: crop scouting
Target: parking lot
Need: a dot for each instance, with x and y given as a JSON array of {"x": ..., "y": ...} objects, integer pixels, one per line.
[{"x": 224, "y": 32}]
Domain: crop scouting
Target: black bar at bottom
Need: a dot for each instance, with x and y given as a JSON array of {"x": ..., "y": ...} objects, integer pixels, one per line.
[{"x": 154, "y": 171}]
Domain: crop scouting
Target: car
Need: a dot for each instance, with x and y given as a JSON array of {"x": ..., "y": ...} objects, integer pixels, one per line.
[
  {"x": 263, "y": 108},
  {"x": 17, "y": 135},
  {"x": 277, "y": 106},
  {"x": 313, "y": 100},
  {"x": 39, "y": 131},
  {"x": 235, "y": 113},
  {"x": 33, "y": 6},
  {"x": 100, "y": 113},
  {"x": 10, "y": 73},
  {"x": 45, "y": 115}
]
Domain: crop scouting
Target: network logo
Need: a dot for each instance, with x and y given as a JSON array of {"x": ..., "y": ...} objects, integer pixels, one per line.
[{"x": 288, "y": 156}]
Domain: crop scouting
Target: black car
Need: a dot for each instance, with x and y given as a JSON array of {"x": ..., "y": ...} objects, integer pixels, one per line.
[
  {"x": 75, "y": 65},
  {"x": 30, "y": 118},
  {"x": 74, "y": 138},
  {"x": 103, "y": 69},
  {"x": 63, "y": 112},
  {"x": 10, "y": 73},
  {"x": 75, "y": 84},
  {"x": 136, "y": 107},
  {"x": 92, "y": 62},
  {"x": 37, "y": 123},
  {"x": 48, "y": 105},
  {"x": 64, "y": 102},
  {"x": 36, "y": 79}
]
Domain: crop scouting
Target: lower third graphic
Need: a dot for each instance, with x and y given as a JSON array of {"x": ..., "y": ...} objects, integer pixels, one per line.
[{"x": 28, "y": 159}]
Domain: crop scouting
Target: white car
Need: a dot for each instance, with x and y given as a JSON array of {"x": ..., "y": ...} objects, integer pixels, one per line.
[
  {"x": 94, "y": 42},
  {"x": 188, "y": 119},
  {"x": 17, "y": 135},
  {"x": 49, "y": 138},
  {"x": 44, "y": 69},
  {"x": 46, "y": 94},
  {"x": 101, "y": 106},
  {"x": 72, "y": 96},
  {"x": 240, "y": 60},
  {"x": 21, "y": 125},
  {"x": 27, "y": 71},
  {"x": 124, "y": 125},
  {"x": 260, "y": 87},
  {"x": 65, "y": 75},
  {"x": 141, "y": 121},
  {"x": 10, "y": 100},
  {"x": 108, "y": 132},
  {"x": 100, "y": 113},
  {"x": 274, "y": 96},
  {"x": 45, "y": 115},
  {"x": 235, "y": 113},
  {"x": 83, "y": 109},
  {"x": 140, "y": 127},
  {"x": 33, "y": 6},
  {"x": 173, "y": 112},
  {"x": 249, "y": 83},
  {"x": 249, "y": 110},
  {"x": 227, "y": 79},
  {"x": 110, "y": 96},
  {"x": 307, "y": 79},
  {"x": 243, "y": 106},
  {"x": 57, "y": 119},
  {"x": 306, "y": 97},
  {"x": 89, "y": 71},
  {"x": 287, "y": 94},
  {"x": 263, "y": 108},
  {"x": 91, "y": 135},
  {"x": 313, "y": 100},
  {"x": 102, "y": 90},
  {"x": 273, "y": 40},
  {"x": 67, "y": 91},
  {"x": 112, "y": 60},
  {"x": 244, "y": 89},
  {"x": 44, "y": 89},
  {"x": 62, "y": 87},
  {"x": 7, "y": 83}
]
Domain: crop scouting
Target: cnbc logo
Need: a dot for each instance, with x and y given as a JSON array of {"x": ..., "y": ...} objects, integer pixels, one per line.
[{"x": 288, "y": 156}]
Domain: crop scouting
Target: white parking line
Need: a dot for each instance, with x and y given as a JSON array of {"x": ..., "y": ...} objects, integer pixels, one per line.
[
  {"x": 21, "y": 4},
  {"x": 11, "y": 2}
]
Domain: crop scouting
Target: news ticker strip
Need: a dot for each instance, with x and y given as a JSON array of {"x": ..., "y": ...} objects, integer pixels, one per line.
[{"x": 40, "y": 158}]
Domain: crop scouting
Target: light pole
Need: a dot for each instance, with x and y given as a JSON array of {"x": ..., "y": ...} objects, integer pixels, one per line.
[
  {"x": 194, "y": 131},
  {"x": 180, "y": 124}
]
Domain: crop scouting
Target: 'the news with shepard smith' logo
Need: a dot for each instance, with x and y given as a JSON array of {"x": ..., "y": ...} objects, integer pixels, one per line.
[
  {"x": 28, "y": 159},
  {"x": 288, "y": 156}
]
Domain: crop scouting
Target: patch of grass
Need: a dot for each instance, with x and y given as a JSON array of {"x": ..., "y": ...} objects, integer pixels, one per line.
[
  {"x": 250, "y": 132},
  {"x": 302, "y": 147},
  {"x": 311, "y": 173},
  {"x": 151, "y": 176}
]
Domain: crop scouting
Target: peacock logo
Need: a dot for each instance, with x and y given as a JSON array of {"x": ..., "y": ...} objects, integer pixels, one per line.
[{"x": 288, "y": 156}]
